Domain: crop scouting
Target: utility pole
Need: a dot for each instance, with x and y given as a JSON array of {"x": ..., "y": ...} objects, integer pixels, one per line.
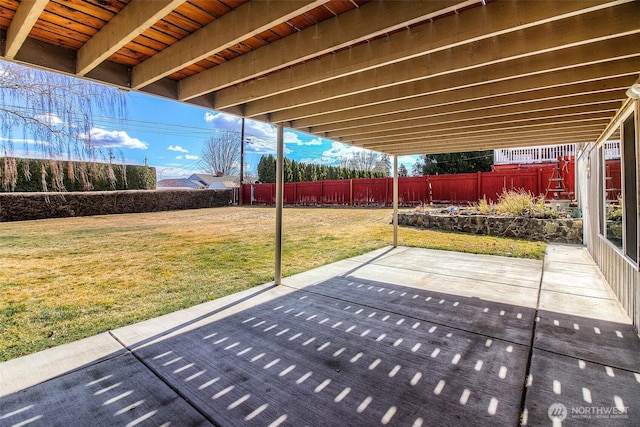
[{"x": 240, "y": 198}]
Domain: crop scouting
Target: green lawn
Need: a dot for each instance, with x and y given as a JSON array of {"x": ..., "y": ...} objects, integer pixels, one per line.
[{"x": 66, "y": 279}]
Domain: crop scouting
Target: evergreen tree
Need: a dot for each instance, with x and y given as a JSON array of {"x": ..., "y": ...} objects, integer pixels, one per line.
[
  {"x": 402, "y": 170},
  {"x": 267, "y": 169},
  {"x": 471, "y": 161}
]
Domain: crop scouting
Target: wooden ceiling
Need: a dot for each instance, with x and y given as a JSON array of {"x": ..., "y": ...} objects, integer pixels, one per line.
[{"x": 401, "y": 76}]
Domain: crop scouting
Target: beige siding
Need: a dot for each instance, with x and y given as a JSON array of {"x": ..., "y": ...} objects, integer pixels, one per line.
[{"x": 621, "y": 274}]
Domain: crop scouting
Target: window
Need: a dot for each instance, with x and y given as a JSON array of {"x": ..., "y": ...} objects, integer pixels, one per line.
[
  {"x": 618, "y": 188},
  {"x": 611, "y": 184},
  {"x": 630, "y": 188}
]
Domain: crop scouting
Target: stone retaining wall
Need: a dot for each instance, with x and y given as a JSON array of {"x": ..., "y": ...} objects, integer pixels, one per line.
[
  {"x": 27, "y": 206},
  {"x": 562, "y": 230}
]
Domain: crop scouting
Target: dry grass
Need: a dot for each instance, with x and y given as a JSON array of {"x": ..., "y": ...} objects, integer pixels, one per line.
[{"x": 65, "y": 279}]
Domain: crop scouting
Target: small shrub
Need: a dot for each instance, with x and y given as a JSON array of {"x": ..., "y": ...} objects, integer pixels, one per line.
[
  {"x": 485, "y": 207},
  {"x": 518, "y": 203}
]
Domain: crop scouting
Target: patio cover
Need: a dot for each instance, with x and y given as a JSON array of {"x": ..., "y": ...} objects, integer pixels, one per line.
[{"x": 400, "y": 77}]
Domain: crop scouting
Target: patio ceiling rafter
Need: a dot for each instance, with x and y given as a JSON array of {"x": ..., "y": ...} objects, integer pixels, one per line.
[
  {"x": 405, "y": 82},
  {"x": 502, "y": 106},
  {"x": 244, "y": 22},
  {"x": 467, "y": 121},
  {"x": 326, "y": 37},
  {"x": 132, "y": 21},
  {"x": 454, "y": 42},
  {"x": 365, "y": 72},
  {"x": 25, "y": 18}
]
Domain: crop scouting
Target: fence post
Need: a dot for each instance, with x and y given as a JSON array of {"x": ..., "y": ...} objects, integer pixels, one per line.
[
  {"x": 539, "y": 181},
  {"x": 386, "y": 192},
  {"x": 351, "y": 192},
  {"x": 479, "y": 187}
]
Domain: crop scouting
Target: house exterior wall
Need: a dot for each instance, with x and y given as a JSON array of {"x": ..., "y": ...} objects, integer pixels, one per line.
[{"x": 620, "y": 271}]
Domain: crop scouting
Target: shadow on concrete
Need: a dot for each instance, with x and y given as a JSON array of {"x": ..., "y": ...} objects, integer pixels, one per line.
[{"x": 349, "y": 351}]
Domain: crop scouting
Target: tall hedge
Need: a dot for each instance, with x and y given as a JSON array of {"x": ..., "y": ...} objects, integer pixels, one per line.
[{"x": 36, "y": 175}]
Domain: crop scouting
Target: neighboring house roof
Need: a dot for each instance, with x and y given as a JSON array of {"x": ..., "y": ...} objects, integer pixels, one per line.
[
  {"x": 203, "y": 178},
  {"x": 223, "y": 185},
  {"x": 207, "y": 180},
  {"x": 180, "y": 183}
]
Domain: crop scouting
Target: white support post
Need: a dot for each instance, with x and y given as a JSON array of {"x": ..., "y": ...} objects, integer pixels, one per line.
[
  {"x": 279, "y": 203},
  {"x": 395, "y": 201}
]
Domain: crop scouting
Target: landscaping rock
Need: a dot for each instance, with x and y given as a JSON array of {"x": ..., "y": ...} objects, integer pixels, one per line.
[{"x": 558, "y": 230}]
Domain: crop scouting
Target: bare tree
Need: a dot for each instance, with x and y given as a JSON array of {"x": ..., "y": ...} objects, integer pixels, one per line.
[
  {"x": 363, "y": 160},
  {"x": 383, "y": 165},
  {"x": 52, "y": 115},
  {"x": 221, "y": 153}
]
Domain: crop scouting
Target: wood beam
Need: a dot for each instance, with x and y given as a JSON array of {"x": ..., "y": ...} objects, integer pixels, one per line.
[
  {"x": 325, "y": 37},
  {"x": 474, "y": 127},
  {"x": 444, "y": 103},
  {"x": 446, "y": 114},
  {"x": 476, "y": 85},
  {"x": 508, "y": 57},
  {"x": 496, "y": 20},
  {"x": 23, "y": 21},
  {"x": 478, "y": 122},
  {"x": 230, "y": 29},
  {"x": 455, "y": 146},
  {"x": 129, "y": 23},
  {"x": 486, "y": 129},
  {"x": 530, "y": 133}
]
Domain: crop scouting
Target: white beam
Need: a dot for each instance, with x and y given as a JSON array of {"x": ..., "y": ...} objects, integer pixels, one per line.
[
  {"x": 453, "y": 31},
  {"x": 468, "y": 121},
  {"x": 508, "y": 56},
  {"x": 23, "y": 21},
  {"x": 484, "y": 131},
  {"x": 462, "y": 142},
  {"x": 230, "y": 29},
  {"x": 369, "y": 20},
  {"x": 485, "y": 109},
  {"x": 485, "y": 83},
  {"x": 129, "y": 23},
  {"x": 468, "y": 100}
]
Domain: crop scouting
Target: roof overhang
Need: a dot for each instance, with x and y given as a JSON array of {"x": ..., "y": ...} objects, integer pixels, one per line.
[{"x": 401, "y": 77}]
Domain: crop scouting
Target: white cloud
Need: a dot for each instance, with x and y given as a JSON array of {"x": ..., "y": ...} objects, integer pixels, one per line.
[
  {"x": 191, "y": 157},
  {"x": 294, "y": 138},
  {"x": 320, "y": 161},
  {"x": 339, "y": 151},
  {"x": 49, "y": 119},
  {"x": 114, "y": 138},
  {"x": 223, "y": 121},
  {"x": 314, "y": 141},
  {"x": 252, "y": 128},
  {"x": 177, "y": 148}
]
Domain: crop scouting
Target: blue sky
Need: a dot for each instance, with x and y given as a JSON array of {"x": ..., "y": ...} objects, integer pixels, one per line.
[{"x": 170, "y": 136}]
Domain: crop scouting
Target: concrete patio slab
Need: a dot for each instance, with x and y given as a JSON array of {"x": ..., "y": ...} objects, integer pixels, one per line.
[
  {"x": 117, "y": 391},
  {"x": 393, "y": 337},
  {"x": 582, "y": 392},
  {"x": 585, "y": 367}
]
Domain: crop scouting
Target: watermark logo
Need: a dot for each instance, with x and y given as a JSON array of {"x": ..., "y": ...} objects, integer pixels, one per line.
[{"x": 557, "y": 411}]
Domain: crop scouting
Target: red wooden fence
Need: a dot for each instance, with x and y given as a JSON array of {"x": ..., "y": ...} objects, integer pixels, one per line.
[{"x": 554, "y": 181}]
